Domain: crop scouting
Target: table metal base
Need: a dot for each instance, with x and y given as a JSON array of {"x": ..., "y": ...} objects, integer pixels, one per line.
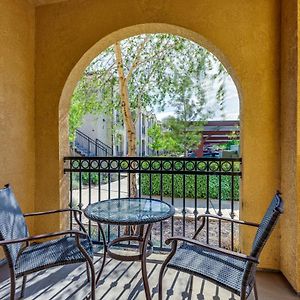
[{"x": 143, "y": 238}]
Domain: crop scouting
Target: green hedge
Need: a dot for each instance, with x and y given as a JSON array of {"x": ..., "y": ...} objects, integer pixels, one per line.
[
  {"x": 190, "y": 186},
  {"x": 226, "y": 183},
  {"x": 94, "y": 177}
]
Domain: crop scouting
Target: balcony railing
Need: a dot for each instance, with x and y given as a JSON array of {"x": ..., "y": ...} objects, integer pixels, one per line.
[{"x": 193, "y": 185}]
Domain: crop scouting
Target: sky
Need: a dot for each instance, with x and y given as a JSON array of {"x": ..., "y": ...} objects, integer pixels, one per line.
[{"x": 231, "y": 104}]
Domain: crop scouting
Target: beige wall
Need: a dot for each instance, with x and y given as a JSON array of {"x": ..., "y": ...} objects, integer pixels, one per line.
[{"x": 17, "y": 163}]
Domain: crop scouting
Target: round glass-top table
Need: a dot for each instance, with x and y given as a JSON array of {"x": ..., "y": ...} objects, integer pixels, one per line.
[
  {"x": 138, "y": 212},
  {"x": 129, "y": 211}
]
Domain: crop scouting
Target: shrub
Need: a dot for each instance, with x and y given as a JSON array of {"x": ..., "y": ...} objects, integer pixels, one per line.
[
  {"x": 192, "y": 187},
  {"x": 94, "y": 177},
  {"x": 195, "y": 185}
]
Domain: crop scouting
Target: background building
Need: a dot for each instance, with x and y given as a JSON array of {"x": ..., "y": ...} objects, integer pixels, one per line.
[{"x": 100, "y": 130}]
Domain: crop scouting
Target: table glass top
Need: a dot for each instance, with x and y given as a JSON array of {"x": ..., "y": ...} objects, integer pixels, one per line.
[{"x": 129, "y": 211}]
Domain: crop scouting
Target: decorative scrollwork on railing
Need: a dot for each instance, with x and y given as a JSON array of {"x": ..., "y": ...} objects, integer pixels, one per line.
[{"x": 161, "y": 165}]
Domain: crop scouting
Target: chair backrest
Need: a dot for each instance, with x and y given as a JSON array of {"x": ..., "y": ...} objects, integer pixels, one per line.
[
  {"x": 12, "y": 223},
  {"x": 267, "y": 224}
]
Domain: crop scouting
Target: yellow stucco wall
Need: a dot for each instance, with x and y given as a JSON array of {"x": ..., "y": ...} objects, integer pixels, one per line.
[
  {"x": 47, "y": 49},
  {"x": 17, "y": 150},
  {"x": 246, "y": 33},
  {"x": 290, "y": 137}
]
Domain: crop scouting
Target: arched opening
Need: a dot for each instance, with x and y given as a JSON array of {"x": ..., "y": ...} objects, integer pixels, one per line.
[
  {"x": 100, "y": 46},
  {"x": 198, "y": 169}
]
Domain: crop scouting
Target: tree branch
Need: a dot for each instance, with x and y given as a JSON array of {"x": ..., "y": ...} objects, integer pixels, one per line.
[{"x": 137, "y": 58}]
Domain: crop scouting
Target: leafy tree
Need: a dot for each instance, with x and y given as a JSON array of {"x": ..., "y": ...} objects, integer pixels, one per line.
[
  {"x": 142, "y": 73},
  {"x": 157, "y": 138},
  {"x": 181, "y": 136},
  {"x": 181, "y": 133},
  {"x": 233, "y": 141},
  {"x": 84, "y": 101},
  {"x": 184, "y": 128}
]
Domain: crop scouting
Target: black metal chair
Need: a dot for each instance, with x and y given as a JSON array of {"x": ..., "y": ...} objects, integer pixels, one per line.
[
  {"x": 24, "y": 257},
  {"x": 231, "y": 270}
]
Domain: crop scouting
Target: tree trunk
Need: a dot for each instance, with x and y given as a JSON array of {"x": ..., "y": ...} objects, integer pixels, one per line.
[
  {"x": 127, "y": 116},
  {"x": 129, "y": 124}
]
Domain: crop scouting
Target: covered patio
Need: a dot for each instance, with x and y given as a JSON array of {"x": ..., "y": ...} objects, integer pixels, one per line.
[{"x": 47, "y": 44}]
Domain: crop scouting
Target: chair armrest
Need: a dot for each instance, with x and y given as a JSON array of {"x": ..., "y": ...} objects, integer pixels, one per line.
[
  {"x": 43, "y": 236},
  {"x": 52, "y": 212},
  {"x": 238, "y": 255},
  {"x": 75, "y": 211},
  {"x": 228, "y": 219}
]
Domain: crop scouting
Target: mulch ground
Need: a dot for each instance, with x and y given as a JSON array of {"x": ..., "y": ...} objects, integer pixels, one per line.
[{"x": 220, "y": 232}]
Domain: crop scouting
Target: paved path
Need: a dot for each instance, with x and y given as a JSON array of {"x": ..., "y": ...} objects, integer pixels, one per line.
[{"x": 116, "y": 190}]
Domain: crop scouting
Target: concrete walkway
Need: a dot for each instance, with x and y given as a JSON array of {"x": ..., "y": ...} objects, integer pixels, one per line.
[{"x": 116, "y": 190}]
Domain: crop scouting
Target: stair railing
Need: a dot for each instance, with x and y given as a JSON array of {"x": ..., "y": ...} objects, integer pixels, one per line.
[{"x": 89, "y": 147}]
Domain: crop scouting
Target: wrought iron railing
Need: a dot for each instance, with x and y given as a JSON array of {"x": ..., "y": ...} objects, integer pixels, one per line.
[{"x": 193, "y": 185}]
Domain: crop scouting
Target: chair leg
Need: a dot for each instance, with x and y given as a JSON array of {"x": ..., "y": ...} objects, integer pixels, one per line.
[
  {"x": 243, "y": 294},
  {"x": 88, "y": 272},
  {"x": 255, "y": 291},
  {"x": 92, "y": 279},
  {"x": 23, "y": 286},
  {"x": 161, "y": 275},
  {"x": 163, "y": 267},
  {"x": 12, "y": 283},
  {"x": 89, "y": 261}
]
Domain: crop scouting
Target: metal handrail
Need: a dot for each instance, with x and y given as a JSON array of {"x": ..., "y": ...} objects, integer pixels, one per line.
[
  {"x": 97, "y": 145},
  {"x": 103, "y": 145}
]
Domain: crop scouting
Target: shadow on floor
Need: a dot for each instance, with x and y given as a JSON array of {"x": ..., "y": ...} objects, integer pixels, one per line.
[{"x": 122, "y": 280}]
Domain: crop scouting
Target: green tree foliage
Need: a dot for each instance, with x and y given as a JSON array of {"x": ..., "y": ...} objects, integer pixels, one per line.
[
  {"x": 157, "y": 138},
  {"x": 159, "y": 69},
  {"x": 84, "y": 101},
  {"x": 181, "y": 135}
]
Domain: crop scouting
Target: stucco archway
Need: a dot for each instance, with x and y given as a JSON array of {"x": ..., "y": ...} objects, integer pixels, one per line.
[
  {"x": 247, "y": 34},
  {"x": 69, "y": 48},
  {"x": 101, "y": 45},
  {"x": 127, "y": 32}
]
